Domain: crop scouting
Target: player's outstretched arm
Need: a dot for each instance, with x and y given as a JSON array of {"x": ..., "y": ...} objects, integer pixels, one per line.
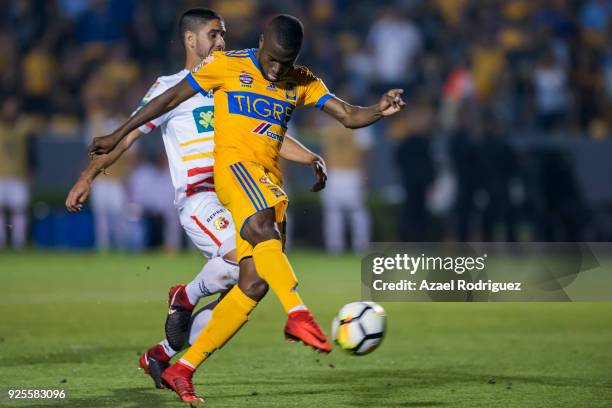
[
  {"x": 294, "y": 151},
  {"x": 355, "y": 117},
  {"x": 163, "y": 103},
  {"x": 80, "y": 190}
]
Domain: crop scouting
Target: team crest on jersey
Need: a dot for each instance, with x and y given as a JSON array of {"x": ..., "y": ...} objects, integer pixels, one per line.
[
  {"x": 265, "y": 180},
  {"x": 246, "y": 80},
  {"x": 204, "y": 117},
  {"x": 291, "y": 91},
  {"x": 277, "y": 191},
  {"x": 221, "y": 223}
]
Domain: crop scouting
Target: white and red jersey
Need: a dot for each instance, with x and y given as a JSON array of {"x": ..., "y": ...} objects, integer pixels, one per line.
[{"x": 188, "y": 134}]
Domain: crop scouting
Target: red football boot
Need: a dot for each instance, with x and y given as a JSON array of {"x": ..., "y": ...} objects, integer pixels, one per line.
[
  {"x": 154, "y": 362},
  {"x": 301, "y": 326},
  {"x": 179, "y": 315},
  {"x": 178, "y": 378}
]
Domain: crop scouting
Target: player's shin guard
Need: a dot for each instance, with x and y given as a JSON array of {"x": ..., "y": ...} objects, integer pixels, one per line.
[
  {"x": 273, "y": 267},
  {"x": 227, "y": 318}
]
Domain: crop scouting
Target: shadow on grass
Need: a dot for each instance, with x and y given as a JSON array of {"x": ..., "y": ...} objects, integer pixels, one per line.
[
  {"x": 122, "y": 397},
  {"x": 66, "y": 356},
  {"x": 346, "y": 387},
  {"x": 386, "y": 387}
]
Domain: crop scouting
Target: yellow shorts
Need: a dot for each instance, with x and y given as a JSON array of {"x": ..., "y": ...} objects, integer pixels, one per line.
[{"x": 245, "y": 188}]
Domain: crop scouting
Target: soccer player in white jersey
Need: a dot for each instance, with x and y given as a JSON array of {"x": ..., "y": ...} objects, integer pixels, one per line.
[{"x": 188, "y": 139}]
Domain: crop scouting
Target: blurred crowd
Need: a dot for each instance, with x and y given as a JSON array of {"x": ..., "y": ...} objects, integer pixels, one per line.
[{"x": 476, "y": 74}]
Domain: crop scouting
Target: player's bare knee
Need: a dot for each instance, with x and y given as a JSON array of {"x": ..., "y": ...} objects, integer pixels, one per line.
[
  {"x": 261, "y": 227},
  {"x": 230, "y": 256},
  {"x": 255, "y": 290},
  {"x": 253, "y": 286},
  {"x": 250, "y": 282}
]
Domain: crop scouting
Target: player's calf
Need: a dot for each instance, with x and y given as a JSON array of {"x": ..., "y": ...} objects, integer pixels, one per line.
[{"x": 249, "y": 282}]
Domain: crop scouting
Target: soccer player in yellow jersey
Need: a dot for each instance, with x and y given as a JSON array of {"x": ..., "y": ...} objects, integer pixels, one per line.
[{"x": 255, "y": 93}]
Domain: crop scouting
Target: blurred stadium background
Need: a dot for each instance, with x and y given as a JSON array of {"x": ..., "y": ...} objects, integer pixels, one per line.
[{"x": 506, "y": 135}]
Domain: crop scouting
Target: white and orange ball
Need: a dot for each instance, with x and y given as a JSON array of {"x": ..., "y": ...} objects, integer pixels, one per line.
[{"x": 359, "y": 327}]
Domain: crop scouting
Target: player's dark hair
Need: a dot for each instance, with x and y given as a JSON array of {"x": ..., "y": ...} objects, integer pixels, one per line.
[
  {"x": 193, "y": 19},
  {"x": 287, "y": 30}
]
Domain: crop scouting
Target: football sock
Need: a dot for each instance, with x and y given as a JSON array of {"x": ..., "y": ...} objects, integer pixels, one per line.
[
  {"x": 216, "y": 276},
  {"x": 295, "y": 309},
  {"x": 165, "y": 353},
  {"x": 227, "y": 318},
  {"x": 200, "y": 319},
  {"x": 273, "y": 267}
]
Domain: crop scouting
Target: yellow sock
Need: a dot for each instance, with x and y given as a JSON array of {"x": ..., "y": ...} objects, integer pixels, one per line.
[
  {"x": 273, "y": 267},
  {"x": 227, "y": 318}
]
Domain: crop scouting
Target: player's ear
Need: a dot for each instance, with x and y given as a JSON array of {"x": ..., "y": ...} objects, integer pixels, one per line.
[{"x": 190, "y": 39}]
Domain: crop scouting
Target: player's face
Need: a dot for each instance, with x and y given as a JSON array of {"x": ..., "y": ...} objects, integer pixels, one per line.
[
  {"x": 275, "y": 61},
  {"x": 210, "y": 38}
]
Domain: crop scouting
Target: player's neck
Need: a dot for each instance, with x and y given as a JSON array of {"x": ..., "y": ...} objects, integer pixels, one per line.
[{"x": 191, "y": 60}]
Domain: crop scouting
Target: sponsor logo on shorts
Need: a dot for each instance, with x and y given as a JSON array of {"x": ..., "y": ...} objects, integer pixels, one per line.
[
  {"x": 263, "y": 129},
  {"x": 277, "y": 192},
  {"x": 265, "y": 180},
  {"x": 221, "y": 223},
  {"x": 214, "y": 214}
]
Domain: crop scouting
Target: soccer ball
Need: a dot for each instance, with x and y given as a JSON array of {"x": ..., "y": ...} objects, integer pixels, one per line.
[{"x": 359, "y": 327}]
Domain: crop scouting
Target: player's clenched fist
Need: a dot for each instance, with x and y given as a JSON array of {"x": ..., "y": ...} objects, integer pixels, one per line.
[
  {"x": 320, "y": 169},
  {"x": 391, "y": 102},
  {"x": 103, "y": 144}
]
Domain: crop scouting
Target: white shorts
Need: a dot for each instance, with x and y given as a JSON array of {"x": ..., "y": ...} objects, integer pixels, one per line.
[
  {"x": 14, "y": 194},
  {"x": 208, "y": 224}
]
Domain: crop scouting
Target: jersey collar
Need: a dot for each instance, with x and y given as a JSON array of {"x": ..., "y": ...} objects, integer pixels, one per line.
[{"x": 254, "y": 59}]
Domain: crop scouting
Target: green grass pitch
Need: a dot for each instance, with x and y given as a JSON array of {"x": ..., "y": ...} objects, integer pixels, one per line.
[{"x": 79, "y": 321}]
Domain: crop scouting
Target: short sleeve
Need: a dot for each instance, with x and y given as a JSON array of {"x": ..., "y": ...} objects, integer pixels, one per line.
[
  {"x": 156, "y": 89},
  {"x": 314, "y": 92},
  {"x": 208, "y": 75}
]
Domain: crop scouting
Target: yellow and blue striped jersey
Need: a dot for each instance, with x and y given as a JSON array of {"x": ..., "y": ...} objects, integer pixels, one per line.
[{"x": 251, "y": 113}]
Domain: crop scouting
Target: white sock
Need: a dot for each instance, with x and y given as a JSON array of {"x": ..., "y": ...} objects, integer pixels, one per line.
[
  {"x": 298, "y": 307},
  {"x": 169, "y": 350},
  {"x": 218, "y": 275},
  {"x": 200, "y": 320}
]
